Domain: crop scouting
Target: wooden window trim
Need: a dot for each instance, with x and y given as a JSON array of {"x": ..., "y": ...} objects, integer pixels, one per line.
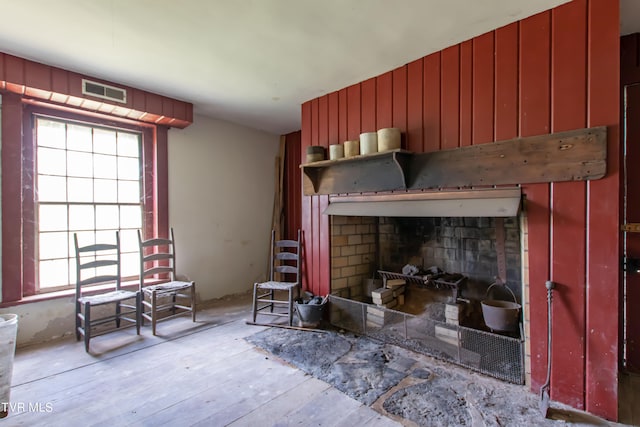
[{"x": 18, "y": 175}]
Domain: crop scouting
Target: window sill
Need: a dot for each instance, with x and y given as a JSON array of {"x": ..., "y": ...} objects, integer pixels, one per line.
[{"x": 70, "y": 293}]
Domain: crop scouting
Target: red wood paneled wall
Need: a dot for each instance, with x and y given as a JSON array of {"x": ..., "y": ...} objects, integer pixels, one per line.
[
  {"x": 58, "y": 86},
  {"x": 555, "y": 71},
  {"x": 292, "y": 185}
]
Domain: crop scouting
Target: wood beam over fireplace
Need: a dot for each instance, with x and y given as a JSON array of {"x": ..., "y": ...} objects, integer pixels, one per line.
[{"x": 576, "y": 155}]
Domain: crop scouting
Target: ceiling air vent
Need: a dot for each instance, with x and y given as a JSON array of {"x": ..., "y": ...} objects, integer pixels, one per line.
[{"x": 104, "y": 91}]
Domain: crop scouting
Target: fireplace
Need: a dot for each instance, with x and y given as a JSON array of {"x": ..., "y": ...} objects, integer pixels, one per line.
[{"x": 440, "y": 318}]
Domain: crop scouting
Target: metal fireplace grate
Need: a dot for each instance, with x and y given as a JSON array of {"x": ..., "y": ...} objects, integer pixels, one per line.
[{"x": 496, "y": 355}]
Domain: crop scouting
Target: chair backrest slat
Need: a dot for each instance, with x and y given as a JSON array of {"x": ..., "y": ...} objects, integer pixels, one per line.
[
  {"x": 98, "y": 263},
  {"x": 287, "y": 256},
  {"x": 92, "y": 259},
  {"x": 285, "y": 259},
  {"x": 98, "y": 279},
  {"x": 286, "y": 269},
  {"x": 157, "y": 258}
]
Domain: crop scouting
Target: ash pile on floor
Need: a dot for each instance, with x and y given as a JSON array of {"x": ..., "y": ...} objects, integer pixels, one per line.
[{"x": 400, "y": 383}]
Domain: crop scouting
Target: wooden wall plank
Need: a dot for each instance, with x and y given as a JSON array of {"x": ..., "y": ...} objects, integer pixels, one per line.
[
  {"x": 37, "y": 76},
  {"x": 353, "y": 112},
  {"x": 167, "y": 107},
  {"x": 332, "y": 119},
  {"x": 14, "y": 74},
  {"x": 342, "y": 115},
  {"x": 431, "y": 102},
  {"x": 315, "y": 202},
  {"x": 2, "y": 70},
  {"x": 399, "y": 112},
  {"x": 321, "y": 227},
  {"x": 11, "y": 196},
  {"x": 483, "y": 89},
  {"x": 466, "y": 92},
  {"x": 323, "y": 122},
  {"x": 305, "y": 205},
  {"x": 324, "y": 285},
  {"x": 60, "y": 82},
  {"x": 534, "y": 97},
  {"x": 506, "y": 82},
  {"x": 384, "y": 101},
  {"x": 568, "y": 204},
  {"x": 414, "y": 106},
  {"x": 603, "y": 294},
  {"x": 368, "y": 94},
  {"x": 450, "y": 94},
  {"x": 292, "y": 181}
]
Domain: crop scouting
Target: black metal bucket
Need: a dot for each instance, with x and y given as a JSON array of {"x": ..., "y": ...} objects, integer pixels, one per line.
[
  {"x": 309, "y": 315},
  {"x": 501, "y": 315}
]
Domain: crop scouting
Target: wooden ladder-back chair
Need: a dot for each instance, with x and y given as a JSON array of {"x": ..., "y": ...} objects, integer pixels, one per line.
[
  {"x": 285, "y": 262},
  {"x": 172, "y": 296},
  {"x": 100, "y": 264}
]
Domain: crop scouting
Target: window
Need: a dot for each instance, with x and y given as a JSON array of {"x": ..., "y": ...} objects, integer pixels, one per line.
[{"x": 89, "y": 182}]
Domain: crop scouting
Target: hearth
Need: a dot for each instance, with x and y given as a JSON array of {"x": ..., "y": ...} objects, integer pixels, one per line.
[{"x": 451, "y": 262}]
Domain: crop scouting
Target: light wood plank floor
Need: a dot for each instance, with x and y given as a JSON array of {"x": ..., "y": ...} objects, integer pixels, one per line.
[
  {"x": 202, "y": 374},
  {"x": 192, "y": 374}
]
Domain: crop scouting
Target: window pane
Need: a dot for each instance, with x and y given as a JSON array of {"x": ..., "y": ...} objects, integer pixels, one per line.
[
  {"x": 84, "y": 238},
  {"x": 104, "y": 166},
  {"x": 89, "y": 183},
  {"x": 129, "y": 192},
  {"x": 53, "y": 245},
  {"x": 130, "y": 217},
  {"x": 80, "y": 189},
  {"x": 129, "y": 241},
  {"x": 79, "y": 164},
  {"x": 104, "y": 141},
  {"x": 128, "y": 144},
  {"x": 106, "y": 236},
  {"x": 81, "y": 217},
  {"x": 128, "y": 168},
  {"x": 107, "y": 218},
  {"x": 79, "y": 138},
  {"x": 50, "y": 133},
  {"x": 105, "y": 191},
  {"x": 54, "y": 273},
  {"x": 52, "y": 188},
  {"x": 51, "y": 161},
  {"x": 52, "y": 217},
  {"x": 129, "y": 264}
]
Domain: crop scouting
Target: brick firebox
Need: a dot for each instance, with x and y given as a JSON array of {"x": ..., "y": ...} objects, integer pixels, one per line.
[{"x": 467, "y": 245}]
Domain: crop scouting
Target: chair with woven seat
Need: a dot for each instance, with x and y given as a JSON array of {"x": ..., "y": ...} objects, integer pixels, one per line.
[
  {"x": 165, "y": 297},
  {"x": 97, "y": 264},
  {"x": 284, "y": 278}
]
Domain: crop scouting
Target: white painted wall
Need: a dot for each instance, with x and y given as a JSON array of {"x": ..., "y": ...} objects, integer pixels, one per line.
[{"x": 221, "y": 185}]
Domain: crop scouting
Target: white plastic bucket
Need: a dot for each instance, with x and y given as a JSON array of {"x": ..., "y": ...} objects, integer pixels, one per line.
[{"x": 8, "y": 333}]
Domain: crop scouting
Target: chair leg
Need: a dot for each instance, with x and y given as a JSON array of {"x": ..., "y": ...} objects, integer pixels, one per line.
[
  {"x": 290, "y": 306},
  {"x": 78, "y": 320},
  {"x": 87, "y": 326},
  {"x": 254, "y": 307},
  {"x": 118, "y": 311},
  {"x": 153, "y": 312},
  {"x": 272, "y": 295},
  {"x": 193, "y": 302},
  {"x": 138, "y": 312}
]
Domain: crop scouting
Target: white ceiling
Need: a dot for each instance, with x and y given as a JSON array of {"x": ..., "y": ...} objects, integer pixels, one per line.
[{"x": 252, "y": 62}]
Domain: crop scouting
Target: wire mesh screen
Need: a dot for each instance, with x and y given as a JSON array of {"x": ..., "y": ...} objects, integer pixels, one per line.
[{"x": 499, "y": 356}]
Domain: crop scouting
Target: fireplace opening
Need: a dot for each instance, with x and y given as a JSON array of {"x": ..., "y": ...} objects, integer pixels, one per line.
[{"x": 419, "y": 282}]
